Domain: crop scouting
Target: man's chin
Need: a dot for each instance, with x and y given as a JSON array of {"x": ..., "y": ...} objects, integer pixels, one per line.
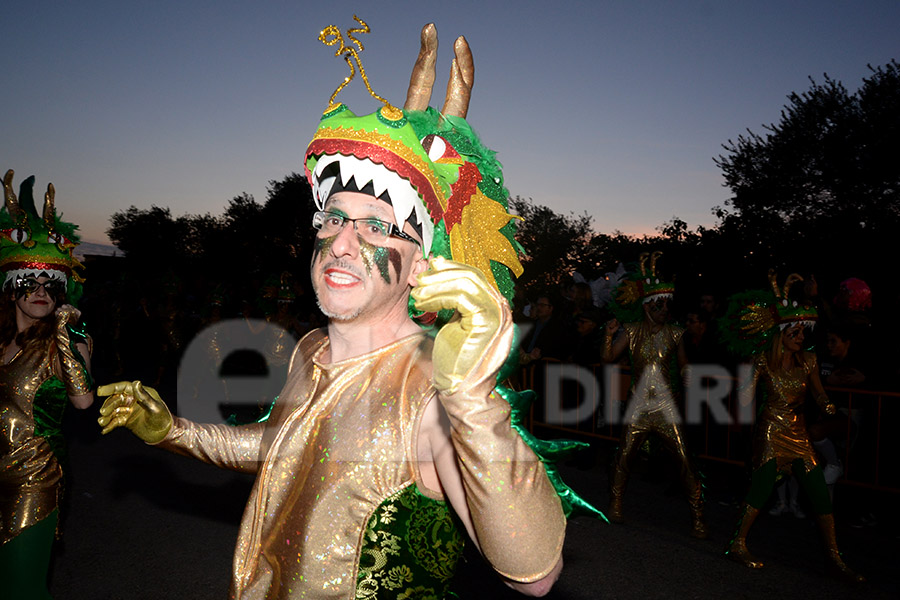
[{"x": 339, "y": 315}]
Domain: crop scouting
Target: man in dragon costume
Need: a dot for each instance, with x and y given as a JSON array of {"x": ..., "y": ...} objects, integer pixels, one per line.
[
  {"x": 383, "y": 431},
  {"x": 768, "y": 327},
  {"x": 44, "y": 366},
  {"x": 642, "y": 305}
]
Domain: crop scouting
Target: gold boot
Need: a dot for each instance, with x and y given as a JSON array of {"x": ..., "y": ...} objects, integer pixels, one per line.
[
  {"x": 696, "y": 500},
  {"x": 616, "y": 491},
  {"x": 834, "y": 564},
  {"x": 737, "y": 548}
]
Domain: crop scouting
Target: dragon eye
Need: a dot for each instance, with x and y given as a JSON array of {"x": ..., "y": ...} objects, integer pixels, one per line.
[
  {"x": 439, "y": 149},
  {"x": 795, "y": 304},
  {"x": 19, "y": 236},
  {"x": 55, "y": 238}
]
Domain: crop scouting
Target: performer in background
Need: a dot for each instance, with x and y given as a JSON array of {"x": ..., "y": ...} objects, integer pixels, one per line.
[
  {"x": 381, "y": 429},
  {"x": 642, "y": 303},
  {"x": 770, "y": 327},
  {"x": 45, "y": 365}
]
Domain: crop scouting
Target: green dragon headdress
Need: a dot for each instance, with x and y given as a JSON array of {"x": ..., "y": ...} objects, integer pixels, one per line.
[
  {"x": 33, "y": 245},
  {"x": 753, "y": 318},
  {"x": 436, "y": 173},
  {"x": 438, "y": 176},
  {"x": 638, "y": 288}
]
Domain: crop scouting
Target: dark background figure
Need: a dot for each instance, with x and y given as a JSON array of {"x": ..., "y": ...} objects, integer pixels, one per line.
[{"x": 546, "y": 338}]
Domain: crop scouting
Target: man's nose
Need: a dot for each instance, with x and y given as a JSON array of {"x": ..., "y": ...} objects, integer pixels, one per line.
[{"x": 346, "y": 243}]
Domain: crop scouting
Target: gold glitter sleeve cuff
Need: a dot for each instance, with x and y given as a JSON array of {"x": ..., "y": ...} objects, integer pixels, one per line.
[
  {"x": 235, "y": 448},
  {"x": 75, "y": 374}
]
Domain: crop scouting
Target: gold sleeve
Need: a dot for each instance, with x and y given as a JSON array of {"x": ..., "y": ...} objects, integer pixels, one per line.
[
  {"x": 75, "y": 374},
  {"x": 235, "y": 448},
  {"x": 515, "y": 510}
]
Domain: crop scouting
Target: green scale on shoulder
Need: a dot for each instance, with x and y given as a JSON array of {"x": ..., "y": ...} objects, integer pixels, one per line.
[{"x": 410, "y": 548}]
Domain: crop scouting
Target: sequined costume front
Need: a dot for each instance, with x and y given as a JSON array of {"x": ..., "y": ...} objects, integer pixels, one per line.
[
  {"x": 33, "y": 401},
  {"x": 338, "y": 509},
  {"x": 652, "y": 406},
  {"x": 781, "y": 427}
]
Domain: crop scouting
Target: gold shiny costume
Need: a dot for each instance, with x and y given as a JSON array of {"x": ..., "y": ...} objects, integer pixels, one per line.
[
  {"x": 338, "y": 455},
  {"x": 653, "y": 409},
  {"x": 781, "y": 427},
  {"x": 30, "y": 472}
]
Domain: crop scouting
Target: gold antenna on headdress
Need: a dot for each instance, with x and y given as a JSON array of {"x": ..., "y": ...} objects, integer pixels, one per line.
[
  {"x": 656, "y": 254},
  {"x": 421, "y": 81},
  {"x": 12, "y": 201},
  {"x": 642, "y": 261},
  {"x": 773, "y": 281},
  {"x": 459, "y": 85},
  {"x": 791, "y": 280},
  {"x": 50, "y": 208},
  {"x": 330, "y": 36}
]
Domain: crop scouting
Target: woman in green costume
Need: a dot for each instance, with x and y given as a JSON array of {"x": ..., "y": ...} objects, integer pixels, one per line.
[
  {"x": 44, "y": 366},
  {"x": 770, "y": 327}
]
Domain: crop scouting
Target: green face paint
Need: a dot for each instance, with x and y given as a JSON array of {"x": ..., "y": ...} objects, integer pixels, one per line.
[
  {"x": 376, "y": 255},
  {"x": 322, "y": 245}
]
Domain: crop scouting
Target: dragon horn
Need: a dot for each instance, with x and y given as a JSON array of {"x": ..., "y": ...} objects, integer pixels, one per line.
[
  {"x": 12, "y": 202},
  {"x": 50, "y": 207},
  {"x": 791, "y": 280},
  {"x": 421, "y": 81},
  {"x": 656, "y": 254},
  {"x": 462, "y": 78},
  {"x": 642, "y": 261},
  {"x": 773, "y": 281}
]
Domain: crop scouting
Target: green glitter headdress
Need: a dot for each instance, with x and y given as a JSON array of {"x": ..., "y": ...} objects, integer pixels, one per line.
[
  {"x": 33, "y": 245},
  {"x": 437, "y": 174},
  {"x": 638, "y": 288},
  {"x": 754, "y": 318}
]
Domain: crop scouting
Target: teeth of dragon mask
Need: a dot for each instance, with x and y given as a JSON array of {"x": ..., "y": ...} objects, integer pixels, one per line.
[
  {"x": 437, "y": 174},
  {"x": 34, "y": 246}
]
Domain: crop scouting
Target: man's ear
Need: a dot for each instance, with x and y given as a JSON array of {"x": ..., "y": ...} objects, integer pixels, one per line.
[{"x": 419, "y": 266}]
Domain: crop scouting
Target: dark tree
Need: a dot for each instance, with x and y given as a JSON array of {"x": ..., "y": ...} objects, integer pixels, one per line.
[
  {"x": 555, "y": 245},
  {"x": 821, "y": 186}
]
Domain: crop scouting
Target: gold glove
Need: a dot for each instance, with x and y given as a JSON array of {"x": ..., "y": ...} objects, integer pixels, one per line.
[
  {"x": 463, "y": 342},
  {"x": 826, "y": 405},
  {"x": 138, "y": 408},
  {"x": 75, "y": 374}
]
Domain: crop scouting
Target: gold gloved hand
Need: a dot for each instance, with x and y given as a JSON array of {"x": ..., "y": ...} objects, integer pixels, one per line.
[
  {"x": 482, "y": 314},
  {"x": 136, "y": 407},
  {"x": 75, "y": 374}
]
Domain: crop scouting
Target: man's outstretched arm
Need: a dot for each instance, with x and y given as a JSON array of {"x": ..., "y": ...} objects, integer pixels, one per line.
[{"x": 141, "y": 410}]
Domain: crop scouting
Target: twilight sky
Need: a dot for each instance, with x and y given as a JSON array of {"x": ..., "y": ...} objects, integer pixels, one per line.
[{"x": 615, "y": 108}]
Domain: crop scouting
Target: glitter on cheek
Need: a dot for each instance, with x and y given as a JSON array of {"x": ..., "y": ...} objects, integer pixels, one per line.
[{"x": 322, "y": 245}]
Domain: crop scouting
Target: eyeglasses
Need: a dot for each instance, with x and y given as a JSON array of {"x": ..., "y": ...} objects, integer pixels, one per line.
[
  {"x": 31, "y": 286},
  {"x": 370, "y": 229}
]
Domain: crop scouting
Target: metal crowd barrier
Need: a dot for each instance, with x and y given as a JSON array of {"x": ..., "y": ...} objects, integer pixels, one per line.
[{"x": 869, "y": 457}]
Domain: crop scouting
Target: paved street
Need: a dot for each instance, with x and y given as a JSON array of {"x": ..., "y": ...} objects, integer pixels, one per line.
[{"x": 145, "y": 524}]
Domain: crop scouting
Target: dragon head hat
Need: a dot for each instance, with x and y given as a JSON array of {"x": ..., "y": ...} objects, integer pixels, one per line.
[
  {"x": 639, "y": 288},
  {"x": 428, "y": 164},
  {"x": 754, "y": 318},
  {"x": 33, "y": 245}
]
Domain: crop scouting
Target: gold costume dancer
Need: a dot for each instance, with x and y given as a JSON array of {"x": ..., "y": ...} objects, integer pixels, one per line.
[
  {"x": 769, "y": 326},
  {"x": 44, "y": 367},
  {"x": 381, "y": 430},
  {"x": 652, "y": 346}
]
